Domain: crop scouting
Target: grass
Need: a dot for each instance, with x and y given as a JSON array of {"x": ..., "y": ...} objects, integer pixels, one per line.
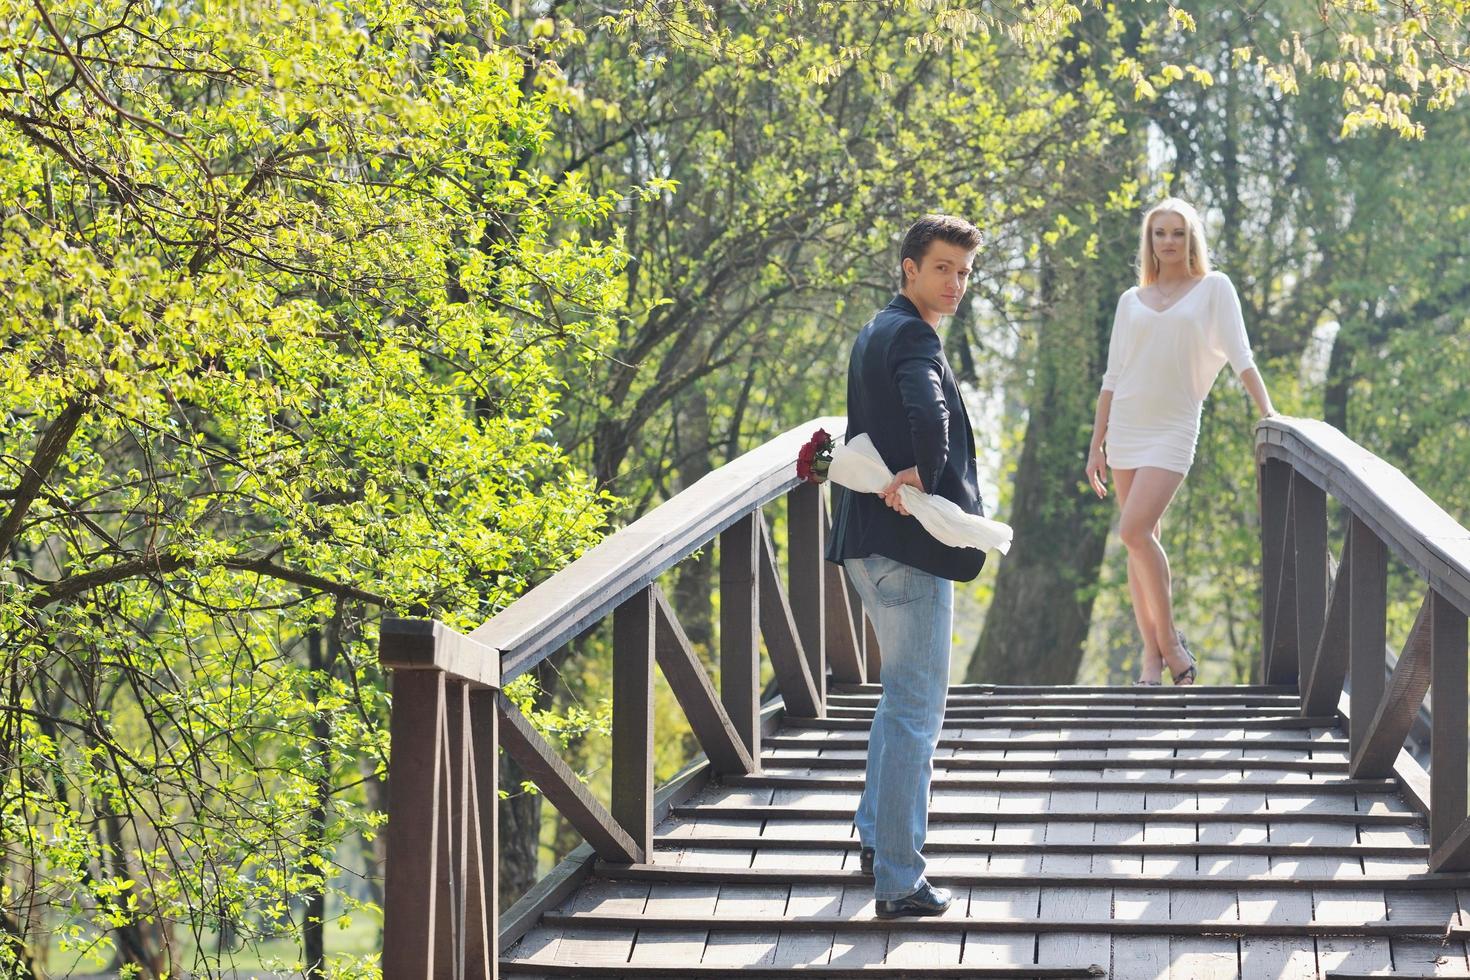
[{"x": 271, "y": 958}]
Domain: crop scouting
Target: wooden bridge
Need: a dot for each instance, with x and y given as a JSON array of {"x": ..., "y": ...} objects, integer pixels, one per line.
[{"x": 1275, "y": 830}]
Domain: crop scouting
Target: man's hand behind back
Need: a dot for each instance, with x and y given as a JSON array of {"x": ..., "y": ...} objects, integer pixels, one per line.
[{"x": 890, "y": 494}]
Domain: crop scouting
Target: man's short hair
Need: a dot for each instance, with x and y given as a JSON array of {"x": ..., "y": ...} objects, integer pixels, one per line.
[{"x": 945, "y": 228}]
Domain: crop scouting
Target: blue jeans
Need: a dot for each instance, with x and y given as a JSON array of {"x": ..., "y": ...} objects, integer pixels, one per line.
[{"x": 911, "y": 612}]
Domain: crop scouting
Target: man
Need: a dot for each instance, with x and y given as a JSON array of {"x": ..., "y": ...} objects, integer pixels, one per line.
[{"x": 901, "y": 392}]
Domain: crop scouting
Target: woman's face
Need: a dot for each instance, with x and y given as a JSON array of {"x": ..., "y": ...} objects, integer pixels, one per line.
[{"x": 1169, "y": 233}]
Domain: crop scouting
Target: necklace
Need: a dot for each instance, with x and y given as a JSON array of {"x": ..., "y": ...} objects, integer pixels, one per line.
[{"x": 1180, "y": 291}]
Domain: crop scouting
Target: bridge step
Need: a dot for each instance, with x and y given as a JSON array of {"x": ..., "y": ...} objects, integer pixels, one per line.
[
  {"x": 1219, "y": 849},
  {"x": 1198, "y": 832},
  {"x": 781, "y": 814},
  {"x": 1067, "y": 690},
  {"x": 685, "y": 873},
  {"x": 1285, "y": 722},
  {"x": 1177, "y": 702},
  {"x": 817, "y": 740},
  {"x": 1065, "y": 780},
  {"x": 960, "y": 923},
  {"x": 1153, "y": 717},
  {"x": 1174, "y": 764},
  {"x": 593, "y": 968}
]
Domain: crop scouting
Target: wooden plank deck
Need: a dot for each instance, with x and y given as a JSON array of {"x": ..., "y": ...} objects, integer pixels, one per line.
[{"x": 1203, "y": 833}]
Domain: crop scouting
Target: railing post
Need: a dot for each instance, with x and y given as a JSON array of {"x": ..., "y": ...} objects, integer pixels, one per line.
[
  {"x": 1447, "y": 700},
  {"x": 806, "y": 527},
  {"x": 1275, "y": 489},
  {"x": 634, "y": 625},
  {"x": 1367, "y": 629},
  {"x": 740, "y": 664},
  {"x": 416, "y": 898},
  {"x": 473, "y": 942},
  {"x": 1309, "y": 521},
  {"x": 1283, "y": 653},
  {"x": 484, "y": 878},
  {"x": 440, "y": 908}
]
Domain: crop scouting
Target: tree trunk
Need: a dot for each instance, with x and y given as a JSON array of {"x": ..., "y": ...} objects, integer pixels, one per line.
[
  {"x": 1036, "y": 629},
  {"x": 137, "y": 945},
  {"x": 314, "y": 914},
  {"x": 1037, "y": 625},
  {"x": 695, "y": 584},
  {"x": 25, "y": 966},
  {"x": 13, "y": 930},
  {"x": 1339, "y": 381}
]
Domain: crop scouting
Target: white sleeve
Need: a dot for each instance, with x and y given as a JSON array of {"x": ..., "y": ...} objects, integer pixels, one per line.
[
  {"x": 1228, "y": 330},
  {"x": 1115, "y": 349}
]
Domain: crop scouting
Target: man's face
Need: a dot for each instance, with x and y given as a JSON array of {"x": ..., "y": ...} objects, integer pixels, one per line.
[{"x": 937, "y": 282}]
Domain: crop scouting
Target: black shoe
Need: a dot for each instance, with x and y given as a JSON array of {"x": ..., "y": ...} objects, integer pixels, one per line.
[
  {"x": 865, "y": 860},
  {"x": 928, "y": 900}
]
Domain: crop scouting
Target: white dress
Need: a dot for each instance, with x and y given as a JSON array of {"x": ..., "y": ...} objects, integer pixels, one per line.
[{"x": 1161, "y": 366}]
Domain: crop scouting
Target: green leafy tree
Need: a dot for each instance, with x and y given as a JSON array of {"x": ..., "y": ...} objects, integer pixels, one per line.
[{"x": 283, "y": 327}]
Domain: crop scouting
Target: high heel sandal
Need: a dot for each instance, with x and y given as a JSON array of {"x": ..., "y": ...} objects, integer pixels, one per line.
[
  {"x": 1186, "y": 678},
  {"x": 1140, "y": 682}
]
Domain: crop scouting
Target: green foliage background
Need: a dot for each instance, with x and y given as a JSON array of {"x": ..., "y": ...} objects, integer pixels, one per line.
[{"x": 315, "y": 313}]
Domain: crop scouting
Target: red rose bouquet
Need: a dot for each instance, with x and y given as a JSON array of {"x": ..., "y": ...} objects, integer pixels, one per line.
[{"x": 815, "y": 457}]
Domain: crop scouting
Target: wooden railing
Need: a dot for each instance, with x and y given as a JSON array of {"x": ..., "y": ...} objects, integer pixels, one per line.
[
  {"x": 1320, "y": 630},
  {"x": 449, "y": 716}
]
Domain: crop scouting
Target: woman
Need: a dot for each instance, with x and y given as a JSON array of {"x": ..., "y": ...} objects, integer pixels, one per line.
[{"x": 1172, "y": 334}]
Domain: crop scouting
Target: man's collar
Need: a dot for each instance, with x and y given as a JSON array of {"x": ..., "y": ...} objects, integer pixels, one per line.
[{"x": 902, "y": 302}]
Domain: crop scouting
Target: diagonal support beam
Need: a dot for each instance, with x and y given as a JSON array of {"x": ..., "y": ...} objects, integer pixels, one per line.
[
  {"x": 1323, "y": 677},
  {"x": 778, "y": 626},
  {"x": 691, "y": 685},
  {"x": 1385, "y": 734},
  {"x": 561, "y": 786},
  {"x": 1367, "y": 626}
]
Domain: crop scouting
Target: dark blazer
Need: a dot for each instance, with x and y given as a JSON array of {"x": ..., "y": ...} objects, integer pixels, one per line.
[{"x": 901, "y": 392}]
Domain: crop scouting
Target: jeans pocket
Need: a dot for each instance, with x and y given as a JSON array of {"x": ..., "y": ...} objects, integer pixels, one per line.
[{"x": 893, "y": 582}]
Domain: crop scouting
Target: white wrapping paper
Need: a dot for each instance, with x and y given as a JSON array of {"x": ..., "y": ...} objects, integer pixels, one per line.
[{"x": 858, "y": 466}]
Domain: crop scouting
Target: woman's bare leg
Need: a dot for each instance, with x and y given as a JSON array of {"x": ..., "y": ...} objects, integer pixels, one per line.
[
  {"x": 1149, "y": 496},
  {"x": 1152, "y": 666}
]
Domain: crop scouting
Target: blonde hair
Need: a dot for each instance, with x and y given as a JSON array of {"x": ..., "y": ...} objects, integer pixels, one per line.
[{"x": 1197, "y": 254}]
